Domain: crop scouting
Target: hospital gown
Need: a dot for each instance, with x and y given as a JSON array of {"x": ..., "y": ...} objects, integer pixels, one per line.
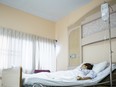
[{"x": 85, "y": 73}]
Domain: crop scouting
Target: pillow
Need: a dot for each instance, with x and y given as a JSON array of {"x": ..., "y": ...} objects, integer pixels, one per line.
[
  {"x": 39, "y": 71},
  {"x": 99, "y": 67}
]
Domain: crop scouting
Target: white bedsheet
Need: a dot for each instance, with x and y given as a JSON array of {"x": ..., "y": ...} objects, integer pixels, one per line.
[{"x": 64, "y": 78}]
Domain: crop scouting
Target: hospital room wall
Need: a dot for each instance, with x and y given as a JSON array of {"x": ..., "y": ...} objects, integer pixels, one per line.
[
  {"x": 99, "y": 52},
  {"x": 62, "y": 32},
  {"x": 24, "y": 22}
]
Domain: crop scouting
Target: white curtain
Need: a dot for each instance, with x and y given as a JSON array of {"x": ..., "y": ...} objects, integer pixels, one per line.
[{"x": 29, "y": 51}]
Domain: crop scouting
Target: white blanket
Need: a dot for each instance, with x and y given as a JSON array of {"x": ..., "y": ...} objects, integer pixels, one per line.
[{"x": 63, "y": 78}]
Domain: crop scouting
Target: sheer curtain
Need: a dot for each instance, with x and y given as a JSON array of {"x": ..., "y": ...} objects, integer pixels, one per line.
[
  {"x": 29, "y": 51},
  {"x": 45, "y": 54}
]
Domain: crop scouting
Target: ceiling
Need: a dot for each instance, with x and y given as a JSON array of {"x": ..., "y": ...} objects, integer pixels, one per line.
[{"x": 53, "y": 10}]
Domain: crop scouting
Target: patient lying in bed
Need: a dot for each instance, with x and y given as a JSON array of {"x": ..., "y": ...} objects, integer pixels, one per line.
[
  {"x": 85, "y": 72},
  {"x": 69, "y": 77}
]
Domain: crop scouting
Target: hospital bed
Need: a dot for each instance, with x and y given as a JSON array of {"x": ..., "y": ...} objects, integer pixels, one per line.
[
  {"x": 13, "y": 78},
  {"x": 59, "y": 79}
]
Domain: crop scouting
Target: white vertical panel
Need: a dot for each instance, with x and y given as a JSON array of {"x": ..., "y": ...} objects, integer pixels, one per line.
[{"x": 11, "y": 77}]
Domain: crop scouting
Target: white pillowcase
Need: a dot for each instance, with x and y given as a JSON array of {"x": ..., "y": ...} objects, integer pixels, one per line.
[{"x": 100, "y": 66}]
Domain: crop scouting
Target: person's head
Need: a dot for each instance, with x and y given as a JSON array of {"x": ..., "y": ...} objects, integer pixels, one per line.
[{"x": 87, "y": 66}]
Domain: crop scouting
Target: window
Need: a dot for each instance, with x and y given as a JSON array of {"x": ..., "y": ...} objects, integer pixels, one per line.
[{"x": 29, "y": 51}]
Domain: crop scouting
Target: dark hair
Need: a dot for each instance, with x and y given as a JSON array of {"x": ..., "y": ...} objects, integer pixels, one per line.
[{"x": 89, "y": 66}]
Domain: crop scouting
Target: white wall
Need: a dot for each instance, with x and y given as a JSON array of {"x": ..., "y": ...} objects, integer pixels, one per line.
[{"x": 24, "y": 22}]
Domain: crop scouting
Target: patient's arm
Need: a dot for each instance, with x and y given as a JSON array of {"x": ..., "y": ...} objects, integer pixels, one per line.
[
  {"x": 79, "y": 77},
  {"x": 84, "y": 78}
]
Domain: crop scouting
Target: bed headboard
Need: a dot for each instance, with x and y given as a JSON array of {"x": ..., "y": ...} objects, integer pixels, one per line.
[
  {"x": 94, "y": 38},
  {"x": 12, "y": 77}
]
